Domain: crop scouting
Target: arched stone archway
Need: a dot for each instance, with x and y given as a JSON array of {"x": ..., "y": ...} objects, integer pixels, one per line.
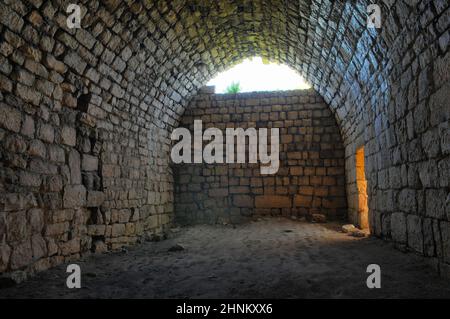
[{"x": 86, "y": 114}]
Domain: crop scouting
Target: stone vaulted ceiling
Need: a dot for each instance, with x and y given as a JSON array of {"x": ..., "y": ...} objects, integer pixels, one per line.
[{"x": 181, "y": 44}]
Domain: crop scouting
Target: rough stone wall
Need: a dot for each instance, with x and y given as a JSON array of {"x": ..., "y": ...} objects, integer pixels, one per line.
[
  {"x": 311, "y": 176},
  {"x": 83, "y": 145},
  {"x": 140, "y": 62}
]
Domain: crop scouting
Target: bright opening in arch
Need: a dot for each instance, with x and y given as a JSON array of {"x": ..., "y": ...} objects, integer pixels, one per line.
[{"x": 256, "y": 74}]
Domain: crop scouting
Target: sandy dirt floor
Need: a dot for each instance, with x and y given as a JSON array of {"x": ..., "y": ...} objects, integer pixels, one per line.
[{"x": 276, "y": 258}]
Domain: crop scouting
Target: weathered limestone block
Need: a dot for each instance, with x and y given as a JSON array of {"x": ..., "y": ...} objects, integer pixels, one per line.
[
  {"x": 99, "y": 246},
  {"x": 52, "y": 63},
  {"x": 54, "y": 183},
  {"x": 28, "y": 94},
  {"x": 95, "y": 198},
  {"x": 89, "y": 163},
  {"x": 303, "y": 201},
  {"x": 96, "y": 230},
  {"x": 439, "y": 110},
  {"x": 337, "y": 202},
  {"x": 36, "y": 68},
  {"x": 39, "y": 246},
  {"x": 45, "y": 68},
  {"x": 243, "y": 201},
  {"x": 70, "y": 247},
  {"x": 56, "y": 153},
  {"x": 68, "y": 136},
  {"x": 16, "y": 226},
  {"x": 386, "y": 226},
  {"x": 272, "y": 201},
  {"x": 436, "y": 203},
  {"x": 120, "y": 216},
  {"x": 42, "y": 166},
  {"x": 306, "y": 167},
  {"x": 348, "y": 228},
  {"x": 36, "y": 220},
  {"x": 85, "y": 38},
  {"x": 318, "y": 218},
  {"x": 5, "y": 252},
  {"x": 46, "y": 133},
  {"x": 52, "y": 247},
  {"x": 151, "y": 222},
  {"x": 74, "y": 196},
  {"x": 10, "y": 118},
  {"x": 75, "y": 167},
  {"x": 407, "y": 201},
  {"x": 21, "y": 255},
  {"x": 445, "y": 233},
  {"x": 130, "y": 229},
  {"x": 429, "y": 247},
  {"x": 62, "y": 215},
  {"x": 56, "y": 229},
  {"x": 37, "y": 148},
  {"x": 118, "y": 230},
  {"x": 69, "y": 100},
  {"x": 218, "y": 192}
]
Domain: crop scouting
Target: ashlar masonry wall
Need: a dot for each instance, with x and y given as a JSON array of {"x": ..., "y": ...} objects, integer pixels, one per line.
[{"x": 311, "y": 176}]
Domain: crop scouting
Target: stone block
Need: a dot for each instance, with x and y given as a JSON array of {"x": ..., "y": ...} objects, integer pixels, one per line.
[
  {"x": 38, "y": 246},
  {"x": 56, "y": 229},
  {"x": 99, "y": 246},
  {"x": 272, "y": 201},
  {"x": 428, "y": 237},
  {"x": 445, "y": 237},
  {"x": 36, "y": 220},
  {"x": 407, "y": 201},
  {"x": 218, "y": 192},
  {"x": 21, "y": 255},
  {"x": 95, "y": 198},
  {"x": 5, "y": 252},
  {"x": 118, "y": 230},
  {"x": 73, "y": 60},
  {"x": 436, "y": 203},
  {"x": 302, "y": 201},
  {"x": 46, "y": 133},
  {"x": 89, "y": 163},
  {"x": 16, "y": 227},
  {"x": 68, "y": 136},
  {"x": 75, "y": 167},
  {"x": 10, "y": 118},
  {"x": 96, "y": 230}
]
